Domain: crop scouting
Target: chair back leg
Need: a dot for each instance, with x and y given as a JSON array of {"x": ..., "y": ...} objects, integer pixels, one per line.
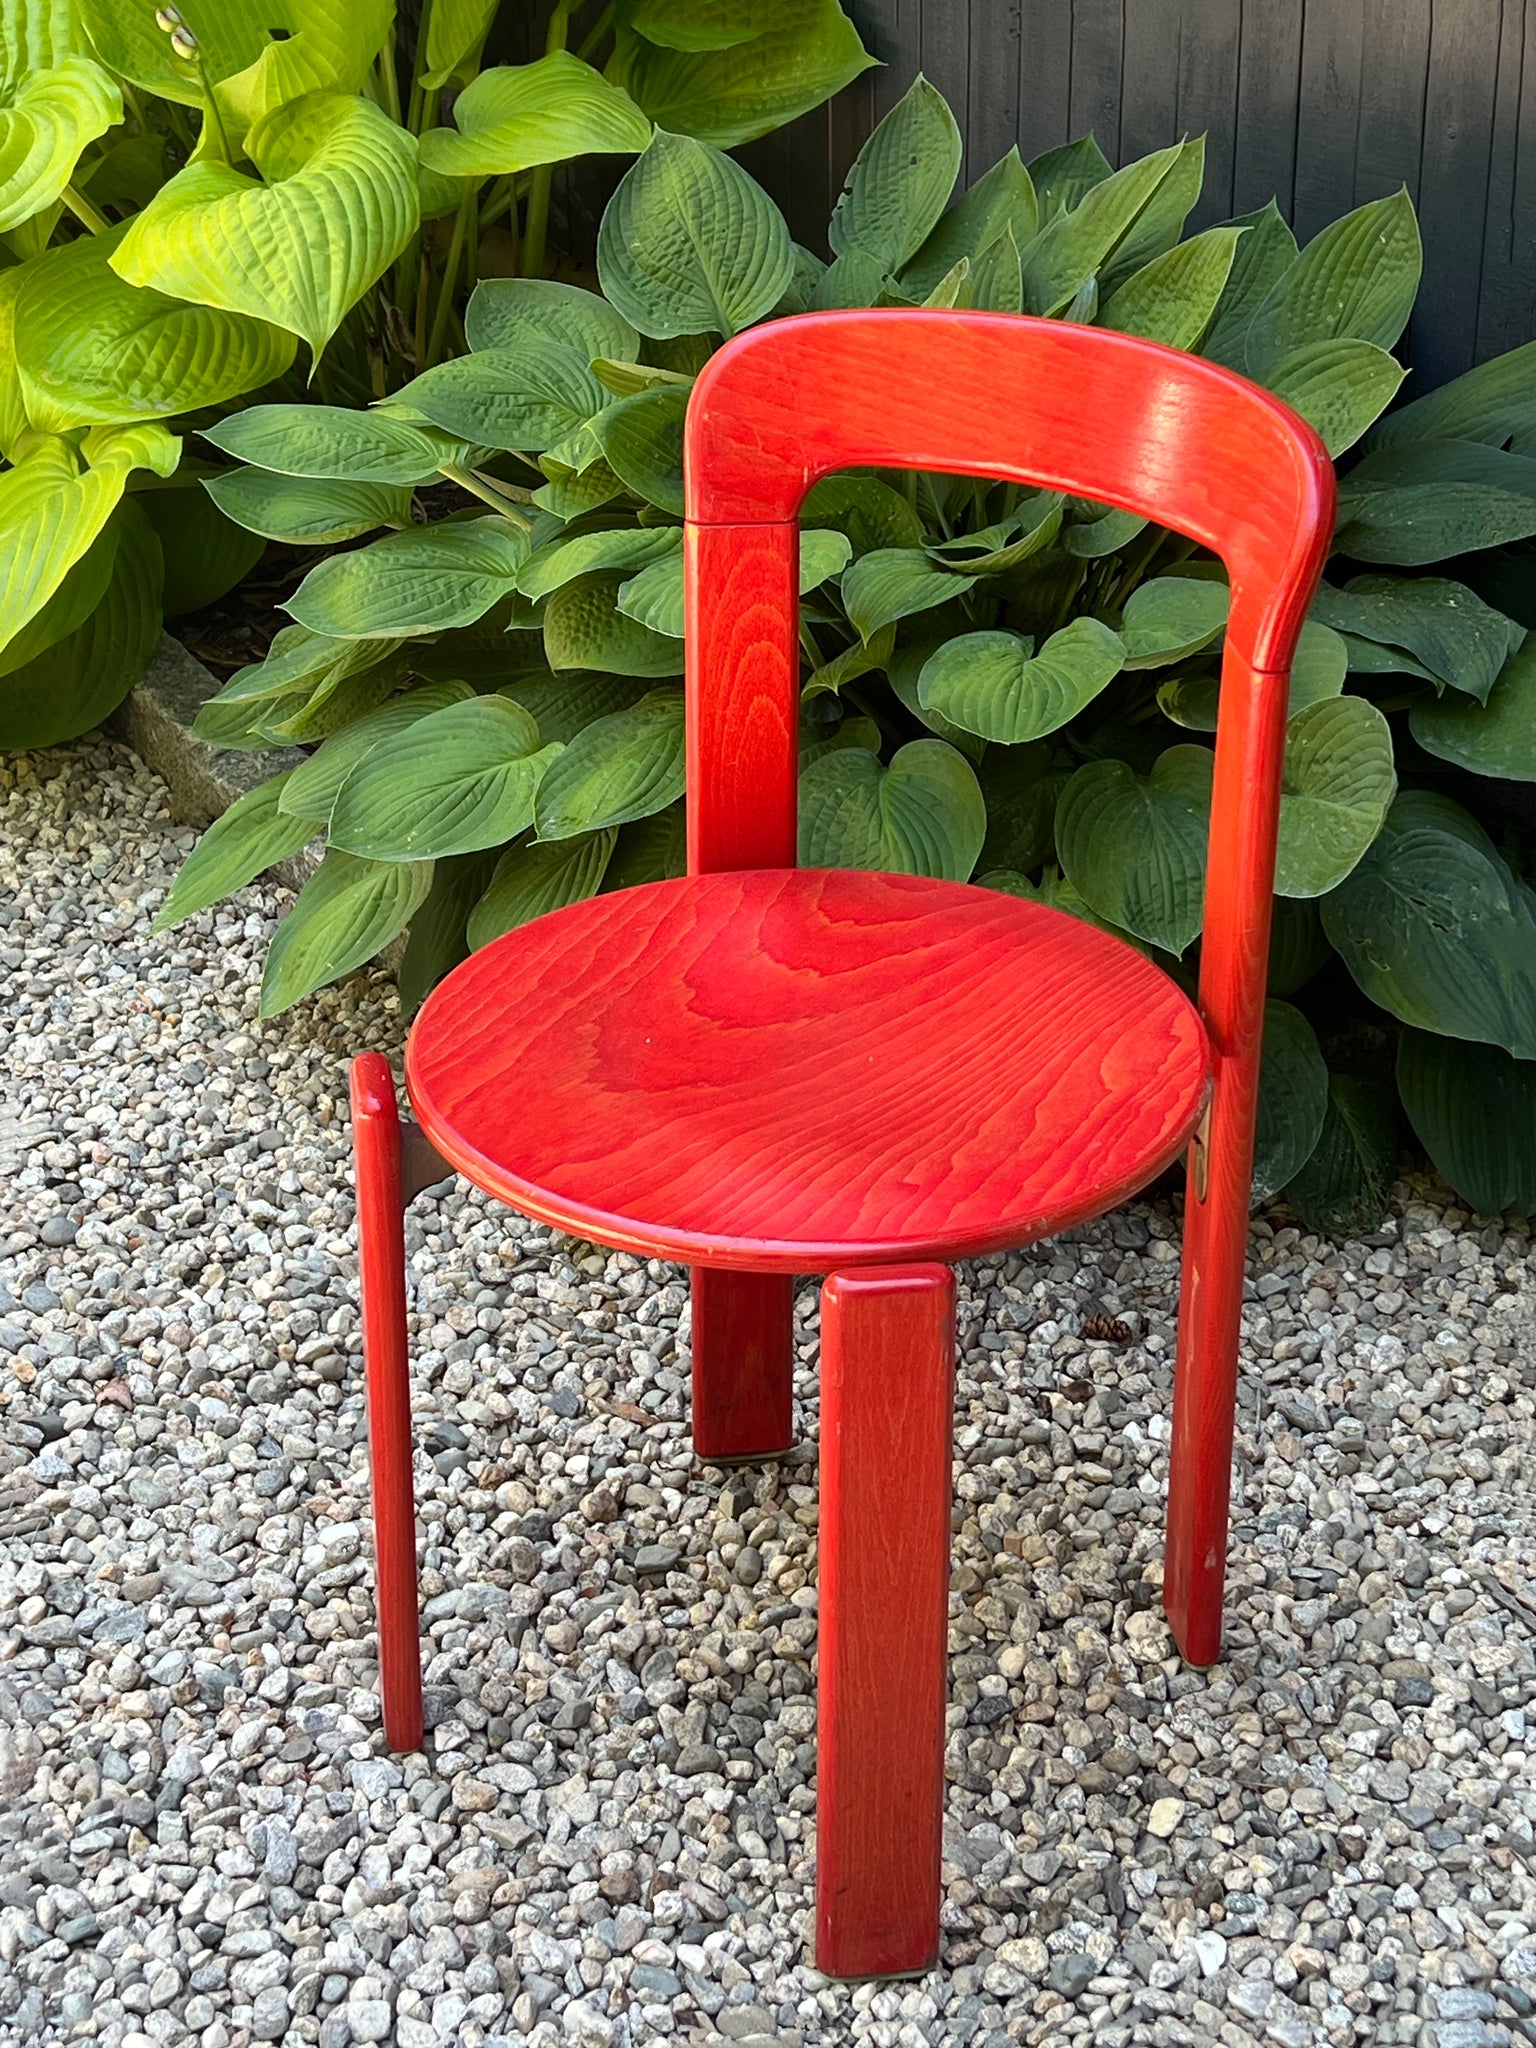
[
  {"x": 381, "y": 1261},
  {"x": 887, "y": 1402},
  {"x": 743, "y": 1365}
]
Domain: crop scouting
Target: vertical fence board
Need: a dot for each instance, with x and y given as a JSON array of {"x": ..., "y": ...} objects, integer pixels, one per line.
[
  {"x": 1045, "y": 75},
  {"x": 1098, "y": 70},
  {"x": 1506, "y": 316},
  {"x": 1454, "y": 182},
  {"x": 1268, "y": 87}
]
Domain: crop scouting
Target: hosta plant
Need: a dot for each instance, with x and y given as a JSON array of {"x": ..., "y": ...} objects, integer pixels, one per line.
[
  {"x": 208, "y": 200},
  {"x": 998, "y": 683}
]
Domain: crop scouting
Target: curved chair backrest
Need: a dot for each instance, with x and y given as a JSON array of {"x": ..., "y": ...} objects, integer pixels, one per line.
[{"x": 1040, "y": 402}]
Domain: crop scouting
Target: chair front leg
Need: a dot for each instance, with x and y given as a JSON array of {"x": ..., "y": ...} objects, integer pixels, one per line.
[
  {"x": 381, "y": 1260},
  {"x": 887, "y": 1404},
  {"x": 743, "y": 1365}
]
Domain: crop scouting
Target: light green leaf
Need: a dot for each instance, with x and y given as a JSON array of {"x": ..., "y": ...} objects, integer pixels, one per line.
[
  {"x": 299, "y": 660},
  {"x": 1171, "y": 617},
  {"x": 92, "y": 350},
  {"x": 437, "y": 941},
  {"x": 1161, "y": 222},
  {"x": 249, "y": 837},
  {"x": 893, "y": 583},
  {"x": 869, "y": 512},
  {"x": 1172, "y": 298},
  {"x": 537, "y": 877},
  {"x": 1264, "y": 254},
  {"x": 1490, "y": 403},
  {"x": 626, "y": 766},
  {"x": 922, "y": 815},
  {"x": 1105, "y": 534},
  {"x": 44, "y": 125},
  {"x": 1337, "y": 386},
  {"x": 456, "y": 31},
  {"x": 642, "y": 442},
  {"x": 1473, "y": 1110},
  {"x": 518, "y": 115},
  {"x": 1316, "y": 674},
  {"x": 1423, "y": 501},
  {"x": 1061, "y": 177},
  {"x": 991, "y": 549},
  {"x": 257, "y": 55},
  {"x": 655, "y": 596},
  {"x": 996, "y": 283},
  {"x": 1342, "y": 1190},
  {"x": 74, "y": 681},
  {"x": 310, "y": 510},
  {"x": 1454, "y": 637},
  {"x": 804, "y": 51},
  {"x": 1356, "y": 281},
  {"x": 689, "y": 244},
  {"x": 310, "y": 791},
  {"x": 563, "y": 705},
  {"x": 619, "y": 547},
  {"x": 333, "y": 441},
  {"x": 1134, "y": 847},
  {"x": 526, "y": 398},
  {"x": 994, "y": 684},
  {"x": 81, "y": 591},
  {"x": 338, "y": 205},
  {"x": 347, "y": 911},
  {"x": 625, "y": 380},
  {"x": 1434, "y": 928},
  {"x": 1001, "y": 200},
  {"x": 900, "y": 182},
  {"x": 1073, "y": 247},
  {"x": 584, "y": 628},
  {"x": 50, "y": 513},
  {"x": 855, "y": 661},
  {"x": 1498, "y": 738},
  {"x": 1338, "y": 784},
  {"x": 453, "y": 782},
  {"x": 423, "y": 581},
  {"x": 1293, "y": 1100},
  {"x": 697, "y": 24},
  {"x": 508, "y": 312}
]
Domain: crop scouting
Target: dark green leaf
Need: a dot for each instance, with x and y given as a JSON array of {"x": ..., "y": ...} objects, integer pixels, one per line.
[
  {"x": 1134, "y": 847},
  {"x": 900, "y": 182},
  {"x": 457, "y": 781},
  {"x": 622, "y": 767},
  {"x": 997, "y": 685},
  {"x": 1293, "y": 1099},
  {"x": 235, "y": 849},
  {"x": 922, "y": 815},
  {"x": 1498, "y": 738},
  {"x": 1343, "y": 1189},
  {"x": 642, "y": 439},
  {"x": 1473, "y": 1109},
  {"x": 1001, "y": 200},
  {"x": 347, "y": 911},
  {"x": 536, "y": 877}
]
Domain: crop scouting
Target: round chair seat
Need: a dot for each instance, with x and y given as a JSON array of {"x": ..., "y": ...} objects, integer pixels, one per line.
[{"x": 794, "y": 1069}]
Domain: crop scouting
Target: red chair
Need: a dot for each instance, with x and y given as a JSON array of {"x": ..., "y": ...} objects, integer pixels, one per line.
[{"x": 765, "y": 1070}]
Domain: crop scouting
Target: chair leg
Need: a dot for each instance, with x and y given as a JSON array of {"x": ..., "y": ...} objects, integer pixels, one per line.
[
  {"x": 381, "y": 1258},
  {"x": 1205, "y": 1394},
  {"x": 887, "y": 1401},
  {"x": 743, "y": 1362}
]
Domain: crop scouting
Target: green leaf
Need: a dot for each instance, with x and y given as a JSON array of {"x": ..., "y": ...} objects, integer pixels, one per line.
[
  {"x": 206, "y": 555},
  {"x": 1338, "y": 784},
  {"x": 425, "y": 580},
  {"x": 618, "y": 547},
  {"x": 1073, "y": 247},
  {"x": 1298, "y": 945},
  {"x": 689, "y": 244},
  {"x": 642, "y": 441},
  {"x": 1021, "y": 790},
  {"x": 1343, "y": 1189},
  {"x": 338, "y": 205},
  {"x": 1106, "y": 534},
  {"x": 334, "y": 442},
  {"x": 82, "y": 589},
  {"x": 655, "y": 596},
  {"x": 1056, "y": 893},
  {"x": 518, "y": 115},
  {"x": 584, "y": 628},
  {"x": 1356, "y": 281},
  {"x": 307, "y": 510},
  {"x": 1498, "y": 738},
  {"x": 697, "y": 24},
  {"x": 996, "y": 282},
  {"x": 804, "y": 51},
  {"x": 1338, "y": 386},
  {"x": 1061, "y": 177},
  {"x": 869, "y": 512},
  {"x": 1171, "y": 298},
  {"x": 1316, "y": 674},
  {"x": 526, "y": 398},
  {"x": 537, "y": 877},
  {"x": 456, "y": 31},
  {"x": 46, "y": 123},
  {"x": 893, "y": 583},
  {"x": 250, "y": 836},
  {"x": 50, "y": 513},
  {"x": 1473, "y": 1109},
  {"x": 1171, "y": 617},
  {"x": 1453, "y": 636},
  {"x": 310, "y": 791},
  {"x": 653, "y": 849},
  {"x": 900, "y": 182},
  {"x": 565, "y": 704},
  {"x": 1001, "y": 200},
  {"x": 922, "y": 815},
  {"x": 1434, "y": 928},
  {"x": 509, "y": 312},
  {"x": 1264, "y": 254},
  {"x": 1422, "y": 501},
  {"x": 1490, "y": 403},
  {"x": 1134, "y": 847},
  {"x": 309, "y": 42},
  {"x": 300, "y": 661},
  {"x": 992, "y": 549},
  {"x": 437, "y": 941},
  {"x": 994, "y": 684},
  {"x": 455, "y": 781},
  {"x": 849, "y": 282},
  {"x": 1161, "y": 222},
  {"x": 626, "y": 766},
  {"x": 1293, "y": 1100},
  {"x": 75, "y": 681},
  {"x": 94, "y": 351},
  {"x": 347, "y": 911}
]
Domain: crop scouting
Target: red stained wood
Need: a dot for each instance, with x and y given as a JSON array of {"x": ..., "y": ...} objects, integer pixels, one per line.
[
  {"x": 887, "y": 1370},
  {"x": 785, "y": 1070},
  {"x": 381, "y": 1258},
  {"x": 743, "y": 1367}
]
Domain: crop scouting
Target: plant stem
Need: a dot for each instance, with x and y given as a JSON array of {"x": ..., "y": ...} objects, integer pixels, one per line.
[
  {"x": 468, "y": 481},
  {"x": 596, "y": 32},
  {"x": 84, "y": 212},
  {"x": 535, "y": 235},
  {"x": 450, "y": 278},
  {"x": 413, "y": 119},
  {"x": 388, "y": 80}
]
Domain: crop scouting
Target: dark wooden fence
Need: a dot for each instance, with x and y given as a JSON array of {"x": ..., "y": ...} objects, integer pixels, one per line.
[{"x": 1321, "y": 104}]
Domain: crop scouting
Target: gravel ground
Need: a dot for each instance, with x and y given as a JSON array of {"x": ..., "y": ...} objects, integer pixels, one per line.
[{"x": 609, "y": 1839}]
